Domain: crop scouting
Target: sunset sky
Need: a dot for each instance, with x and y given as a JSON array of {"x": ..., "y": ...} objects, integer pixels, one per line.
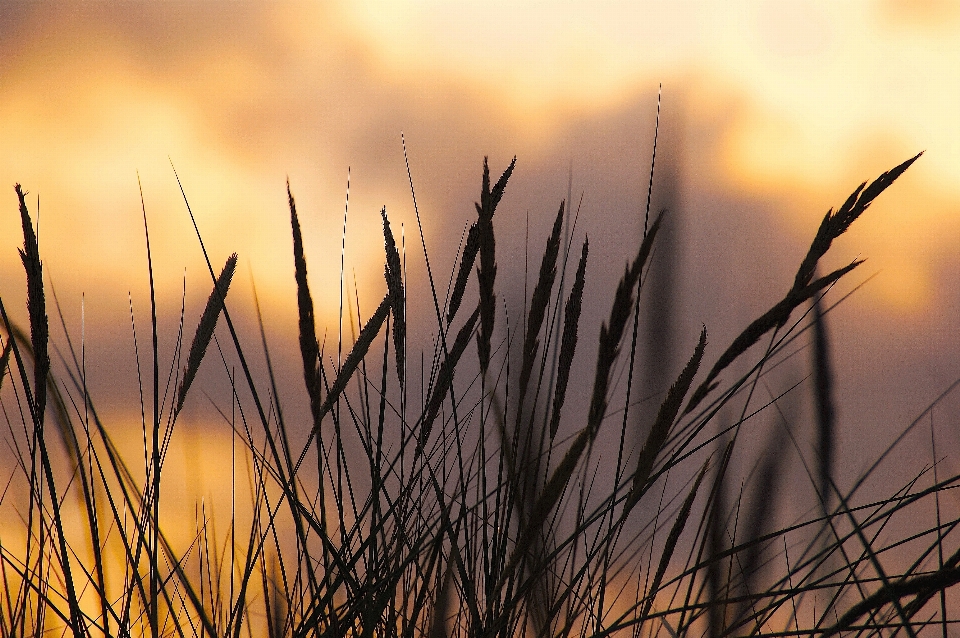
[{"x": 772, "y": 112}]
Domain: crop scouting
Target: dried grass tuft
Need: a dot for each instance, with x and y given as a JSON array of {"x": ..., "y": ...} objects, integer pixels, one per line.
[{"x": 465, "y": 540}]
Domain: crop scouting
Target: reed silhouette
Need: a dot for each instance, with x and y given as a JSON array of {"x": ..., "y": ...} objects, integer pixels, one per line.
[{"x": 481, "y": 512}]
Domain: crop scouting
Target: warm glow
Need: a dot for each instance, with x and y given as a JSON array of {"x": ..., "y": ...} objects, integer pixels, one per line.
[
  {"x": 809, "y": 106},
  {"x": 773, "y": 111},
  {"x": 787, "y": 106}
]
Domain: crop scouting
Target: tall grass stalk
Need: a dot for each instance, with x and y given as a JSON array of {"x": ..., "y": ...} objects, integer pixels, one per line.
[{"x": 486, "y": 510}]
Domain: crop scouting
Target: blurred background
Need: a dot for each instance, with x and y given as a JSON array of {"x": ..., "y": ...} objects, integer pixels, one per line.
[{"x": 771, "y": 113}]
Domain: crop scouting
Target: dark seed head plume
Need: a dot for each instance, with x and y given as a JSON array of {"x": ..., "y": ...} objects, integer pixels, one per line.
[
  {"x": 612, "y": 332},
  {"x": 36, "y": 305},
  {"x": 539, "y": 302},
  {"x": 490, "y": 198},
  {"x": 357, "y": 353},
  {"x": 394, "y": 278},
  {"x": 445, "y": 376},
  {"x": 309, "y": 348},
  {"x": 804, "y": 286},
  {"x": 835, "y": 224},
  {"x": 660, "y": 432},
  {"x": 568, "y": 342},
  {"x": 776, "y": 316},
  {"x": 208, "y": 323},
  {"x": 466, "y": 266},
  {"x": 487, "y": 273}
]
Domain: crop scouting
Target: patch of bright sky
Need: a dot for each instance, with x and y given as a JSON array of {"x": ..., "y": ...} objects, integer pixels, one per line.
[
  {"x": 817, "y": 95},
  {"x": 819, "y": 77}
]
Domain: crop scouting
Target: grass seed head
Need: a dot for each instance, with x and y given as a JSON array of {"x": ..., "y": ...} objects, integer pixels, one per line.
[
  {"x": 539, "y": 303},
  {"x": 36, "y": 305},
  {"x": 309, "y": 347},
  {"x": 394, "y": 277},
  {"x": 568, "y": 341},
  {"x": 487, "y": 273},
  {"x": 206, "y": 327}
]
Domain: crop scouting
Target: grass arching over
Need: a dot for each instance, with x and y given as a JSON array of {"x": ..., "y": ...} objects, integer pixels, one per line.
[{"x": 466, "y": 513}]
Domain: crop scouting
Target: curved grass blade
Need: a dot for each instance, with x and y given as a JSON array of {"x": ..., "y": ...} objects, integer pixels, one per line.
[{"x": 892, "y": 593}]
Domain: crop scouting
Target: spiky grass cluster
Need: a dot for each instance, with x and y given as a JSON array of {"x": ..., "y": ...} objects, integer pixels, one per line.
[{"x": 471, "y": 516}]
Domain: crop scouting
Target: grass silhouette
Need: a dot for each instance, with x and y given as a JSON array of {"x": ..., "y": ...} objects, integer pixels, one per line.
[{"x": 472, "y": 515}]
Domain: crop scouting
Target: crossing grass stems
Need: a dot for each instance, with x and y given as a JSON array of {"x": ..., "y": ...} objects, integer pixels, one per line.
[{"x": 480, "y": 514}]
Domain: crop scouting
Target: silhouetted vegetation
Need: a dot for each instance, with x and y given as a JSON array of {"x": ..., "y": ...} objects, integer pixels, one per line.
[{"x": 477, "y": 510}]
